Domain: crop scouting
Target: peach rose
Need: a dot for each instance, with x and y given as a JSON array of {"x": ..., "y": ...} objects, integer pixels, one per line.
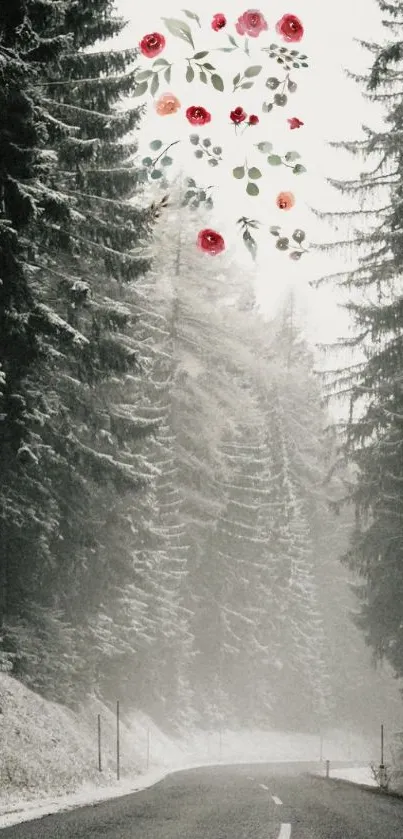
[
  {"x": 167, "y": 104},
  {"x": 285, "y": 200}
]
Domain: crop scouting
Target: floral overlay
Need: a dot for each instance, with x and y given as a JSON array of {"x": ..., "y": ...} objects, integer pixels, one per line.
[{"x": 250, "y": 28}]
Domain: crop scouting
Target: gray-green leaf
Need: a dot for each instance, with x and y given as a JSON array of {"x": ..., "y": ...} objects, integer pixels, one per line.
[
  {"x": 265, "y": 147},
  {"x": 299, "y": 169},
  {"x": 298, "y": 236},
  {"x": 250, "y": 72},
  {"x": 145, "y": 74},
  {"x": 200, "y": 55},
  {"x": 167, "y": 75},
  {"x": 180, "y": 29},
  {"x": 274, "y": 160},
  {"x": 236, "y": 79},
  {"x": 156, "y": 174},
  {"x": 147, "y": 161},
  {"x": 296, "y": 255},
  {"x": 194, "y": 139},
  {"x": 217, "y": 82},
  {"x": 190, "y": 73},
  {"x": 140, "y": 89},
  {"x": 247, "y": 85},
  {"x": 154, "y": 85},
  {"x": 155, "y": 145},
  {"x": 239, "y": 172},
  {"x": 254, "y": 173},
  {"x": 203, "y": 77},
  {"x": 166, "y": 161},
  {"x": 252, "y": 189},
  {"x": 291, "y": 156}
]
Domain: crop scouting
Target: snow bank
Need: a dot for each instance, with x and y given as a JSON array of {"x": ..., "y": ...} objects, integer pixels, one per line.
[{"x": 49, "y": 754}]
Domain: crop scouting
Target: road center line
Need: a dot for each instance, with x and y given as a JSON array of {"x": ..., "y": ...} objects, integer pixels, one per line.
[
  {"x": 263, "y": 786},
  {"x": 276, "y": 800},
  {"x": 285, "y": 831}
]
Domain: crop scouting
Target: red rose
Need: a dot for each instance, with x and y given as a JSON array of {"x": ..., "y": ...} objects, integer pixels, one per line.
[
  {"x": 295, "y": 122},
  {"x": 152, "y": 45},
  {"x": 198, "y": 115},
  {"x": 253, "y": 119},
  {"x": 210, "y": 242},
  {"x": 251, "y": 23},
  {"x": 218, "y": 22},
  {"x": 238, "y": 115},
  {"x": 290, "y": 27}
]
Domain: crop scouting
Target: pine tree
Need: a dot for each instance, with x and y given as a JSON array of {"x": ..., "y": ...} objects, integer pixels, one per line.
[{"x": 373, "y": 431}]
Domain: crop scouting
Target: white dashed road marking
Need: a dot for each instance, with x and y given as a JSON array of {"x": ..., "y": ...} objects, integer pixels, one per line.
[
  {"x": 276, "y": 800},
  {"x": 263, "y": 786},
  {"x": 285, "y": 831}
]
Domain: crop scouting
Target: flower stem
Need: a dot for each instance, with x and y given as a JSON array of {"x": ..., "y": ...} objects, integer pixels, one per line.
[{"x": 165, "y": 151}]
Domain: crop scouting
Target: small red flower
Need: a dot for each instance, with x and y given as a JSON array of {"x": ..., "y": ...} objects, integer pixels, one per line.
[
  {"x": 251, "y": 23},
  {"x": 294, "y": 122},
  {"x": 210, "y": 242},
  {"x": 290, "y": 27},
  {"x": 238, "y": 115},
  {"x": 198, "y": 115},
  {"x": 218, "y": 22},
  {"x": 253, "y": 119},
  {"x": 152, "y": 44}
]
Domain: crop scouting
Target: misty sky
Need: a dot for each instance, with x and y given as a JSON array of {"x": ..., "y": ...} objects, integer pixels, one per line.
[{"x": 331, "y": 106}]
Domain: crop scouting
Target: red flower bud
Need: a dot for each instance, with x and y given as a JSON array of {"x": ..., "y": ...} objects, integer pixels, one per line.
[{"x": 218, "y": 22}]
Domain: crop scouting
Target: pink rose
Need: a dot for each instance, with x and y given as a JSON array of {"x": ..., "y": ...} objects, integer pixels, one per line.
[
  {"x": 251, "y": 23},
  {"x": 218, "y": 22}
]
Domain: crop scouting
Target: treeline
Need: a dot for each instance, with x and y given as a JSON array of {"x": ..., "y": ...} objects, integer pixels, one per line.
[{"x": 164, "y": 517}]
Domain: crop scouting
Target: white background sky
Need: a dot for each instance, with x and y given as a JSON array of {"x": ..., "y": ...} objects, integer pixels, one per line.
[{"x": 331, "y": 106}]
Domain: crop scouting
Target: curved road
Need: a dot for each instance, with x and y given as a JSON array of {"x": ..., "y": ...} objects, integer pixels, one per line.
[{"x": 259, "y": 801}]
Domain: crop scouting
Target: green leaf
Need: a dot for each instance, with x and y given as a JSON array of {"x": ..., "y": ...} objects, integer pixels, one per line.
[
  {"x": 167, "y": 75},
  {"x": 292, "y": 86},
  {"x": 239, "y": 172},
  {"x": 247, "y": 85},
  {"x": 154, "y": 85},
  {"x": 272, "y": 83},
  {"x": 274, "y": 160},
  {"x": 194, "y": 139},
  {"x": 208, "y": 66},
  {"x": 273, "y": 46},
  {"x": 265, "y": 147},
  {"x": 294, "y": 52},
  {"x": 275, "y": 231},
  {"x": 217, "y": 150},
  {"x": 217, "y": 82},
  {"x": 291, "y": 156},
  {"x": 232, "y": 40},
  {"x": 225, "y": 49},
  {"x": 191, "y": 182},
  {"x": 254, "y": 173},
  {"x": 156, "y": 174},
  {"x": 203, "y": 77},
  {"x": 145, "y": 74},
  {"x": 166, "y": 161},
  {"x": 280, "y": 99},
  {"x": 252, "y": 189},
  {"x": 282, "y": 244},
  {"x": 190, "y": 73},
  {"x": 147, "y": 161},
  {"x": 212, "y": 161},
  {"x": 304, "y": 65},
  {"x": 298, "y": 169},
  {"x": 192, "y": 16},
  {"x": 159, "y": 61},
  {"x": 180, "y": 29},
  {"x": 207, "y": 142},
  {"x": 155, "y": 145},
  {"x": 250, "y": 72},
  {"x": 303, "y": 57},
  {"x": 249, "y": 243},
  {"x": 295, "y": 255},
  {"x": 236, "y": 79},
  {"x": 189, "y": 194},
  {"x": 140, "y": 89},
  {"x": 200, "y": 55},
  {"x": 198, "y": 153}
]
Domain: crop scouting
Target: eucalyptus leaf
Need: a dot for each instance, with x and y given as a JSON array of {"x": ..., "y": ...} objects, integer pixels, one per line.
[
  {"x": 239, "y": 172},
  {"x": 299, "y": 169},
  {"x": 198, "y": 153},
  {"x": 217, "y": 149},
  {"x": 155, "y": 145},
  {"x": 292, "y": 86},
  {"x": 265, "y": 147},
  {"x": 252, "y": 189},
  {"x": 280, "y": 99},
  {"x": 254, "y": 173},
  {"x": 217, "y": 82},
  {"x": 194, "y": 139},
  {"x": 147, "y": 161},
  {"x": 213, "y": 162},
  {"x": 295, "y": 255},
  {"x": 274, "y": 160},
  {"x": 250, "y": 72},
  {"x": 282, "y": 244},
  {"x": 156, "y": 174},
  {"x": 190, "y": 73},
  {"x": 180, "y": 29},
  {"x": 272, "y": 83},
  {"x": 291, "y": 156},
  {"x": 166, "y": 161},
  {"x": 140, "y": 89},
  {"x": 154, "y": 85},
  {"x": 275, "y": 231},
  {"x": 207, "y": 142}
]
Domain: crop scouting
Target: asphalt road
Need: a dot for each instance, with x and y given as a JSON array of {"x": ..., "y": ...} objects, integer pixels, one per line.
[{"x": 260, "y": 801}]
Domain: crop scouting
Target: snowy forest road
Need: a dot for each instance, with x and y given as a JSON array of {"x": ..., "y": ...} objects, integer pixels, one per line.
[{"x": 259, "y": 801}]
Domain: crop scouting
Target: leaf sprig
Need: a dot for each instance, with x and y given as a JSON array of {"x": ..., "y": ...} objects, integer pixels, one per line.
[
  {"x": 166, "y": 160},
  {"x": 280, "y": 98},
  {"x": 249, "y": 241},
  {"x": 195, "y": 195},
  {"x": 283, "y": 242},
  {"x": 253, "y": 174},
  {"x": 289, "y": 58},
  {"x": 206, "y": 71},
  {"x": 250, "y": 73},
  {"x": 203, "y": 149},
  {"x": 287, "y": 160},
  {"x": 146, "y": 77}
]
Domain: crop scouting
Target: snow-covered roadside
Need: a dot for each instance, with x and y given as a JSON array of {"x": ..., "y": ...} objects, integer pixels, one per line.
[
  {"x": 49, "y": 754},
  {"x": 358, "y": 775}
]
